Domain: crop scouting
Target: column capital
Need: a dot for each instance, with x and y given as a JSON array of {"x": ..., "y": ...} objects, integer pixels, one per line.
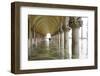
[
  {"x": 75, "y": 22},
  {"x": 66, "y": 28},
  {"x": 61, "y": 31}
]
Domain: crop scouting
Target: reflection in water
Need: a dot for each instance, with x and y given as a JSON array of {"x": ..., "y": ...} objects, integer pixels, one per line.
[{"x": 47, "y": 48}]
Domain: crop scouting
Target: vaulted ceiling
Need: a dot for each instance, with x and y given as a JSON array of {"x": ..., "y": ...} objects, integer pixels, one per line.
[{"x": 45, "y": 24}]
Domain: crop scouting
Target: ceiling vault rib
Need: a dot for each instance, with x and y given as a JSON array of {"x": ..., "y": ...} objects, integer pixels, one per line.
[{"x": 45, "y": 24}]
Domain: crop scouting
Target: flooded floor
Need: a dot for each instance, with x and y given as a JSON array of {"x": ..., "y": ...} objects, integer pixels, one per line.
[{"x": 42, "y": 52}]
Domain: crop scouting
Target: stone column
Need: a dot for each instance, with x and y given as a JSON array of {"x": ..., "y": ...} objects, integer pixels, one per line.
[
  {"x": 59, "y": 45},
  {"x": 75, "y": 42},
  {"x": 36, "y": 38},
  {"x": 75, "y": 23},
  {"x": 30, "y": 35},
  {"x": 62, "y": 42},
  {"x": 30, "y": 43},
  {"x": 66, "y": 29}
]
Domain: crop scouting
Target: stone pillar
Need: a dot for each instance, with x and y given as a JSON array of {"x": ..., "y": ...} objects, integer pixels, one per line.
[
  {"x": 62, "y": 42},
  {"x": 30, "y": 43},
  {"x": 35, "y": 37},
  {"x": 36, "y": 44},
  {"x": 75, "y": 23},
  {"x": 66, "y": 29},
  {"x": 59, "y": 51},
  {"x": 75, "y": 42},
  {"x": 30, "y": 36}
]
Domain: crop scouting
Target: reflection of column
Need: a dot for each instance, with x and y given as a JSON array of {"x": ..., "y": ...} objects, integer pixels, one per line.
[{"x": 75, "y": 23}]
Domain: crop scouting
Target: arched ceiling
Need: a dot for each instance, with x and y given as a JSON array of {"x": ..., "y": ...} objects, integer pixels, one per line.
[{"x": 45, "y": 24}]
